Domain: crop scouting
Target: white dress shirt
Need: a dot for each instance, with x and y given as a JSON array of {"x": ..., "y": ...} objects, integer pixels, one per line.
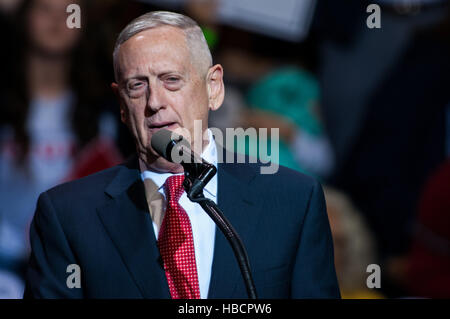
[{"x": 203, "y": 227}]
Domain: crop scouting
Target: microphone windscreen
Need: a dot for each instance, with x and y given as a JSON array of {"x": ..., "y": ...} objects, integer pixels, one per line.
[
  {"x": 164, "y": 140},
  {"x": 161, "y": 140}
]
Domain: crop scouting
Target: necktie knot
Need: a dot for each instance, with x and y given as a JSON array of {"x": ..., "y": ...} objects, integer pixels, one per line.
[{"x": 173, "y": 187}]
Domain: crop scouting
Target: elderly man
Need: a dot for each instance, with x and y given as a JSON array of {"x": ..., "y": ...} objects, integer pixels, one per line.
[{"x": 131, "y": 232}]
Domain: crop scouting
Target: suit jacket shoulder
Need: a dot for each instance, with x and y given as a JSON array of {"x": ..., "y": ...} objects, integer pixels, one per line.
[{"x": 283, "y": 223}]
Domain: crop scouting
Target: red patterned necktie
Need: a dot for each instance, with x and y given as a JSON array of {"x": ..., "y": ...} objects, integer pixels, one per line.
[{"x": 176, "y": 244}]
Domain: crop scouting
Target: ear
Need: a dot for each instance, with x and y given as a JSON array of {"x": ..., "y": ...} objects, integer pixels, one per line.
[
  {"x": 123, "y": 111},
  {"x": 215, "y": 86}
]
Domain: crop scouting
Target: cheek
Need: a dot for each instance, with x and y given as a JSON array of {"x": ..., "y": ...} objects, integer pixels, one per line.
[
  {"x": 136, "y": 125},
  {"x": 135, "y": 106},
  {"x": 136, "y": 116},
  {"x": 197, "y": 108},
  {"x": 37, "y": 27},
  {"x": 130, "y": 116}
]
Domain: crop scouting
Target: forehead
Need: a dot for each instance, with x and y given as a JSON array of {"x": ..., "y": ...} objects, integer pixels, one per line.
[{"x": 154, "y": 50}]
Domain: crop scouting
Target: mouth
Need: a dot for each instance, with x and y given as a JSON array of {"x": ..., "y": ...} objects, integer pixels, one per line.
[{"x": 161, "y": 125}]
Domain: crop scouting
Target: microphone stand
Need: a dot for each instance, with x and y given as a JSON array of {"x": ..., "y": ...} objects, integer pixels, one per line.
[
  {"x": 197, "y": 174},
  {"x": 196, "y": 178}
]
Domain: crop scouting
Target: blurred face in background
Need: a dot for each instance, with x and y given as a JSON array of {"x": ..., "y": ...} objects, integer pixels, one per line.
[
  {"x": 9, "y": 6},
  {"x": 160, "y": 87},
  {"x": 47, "y": 29}
]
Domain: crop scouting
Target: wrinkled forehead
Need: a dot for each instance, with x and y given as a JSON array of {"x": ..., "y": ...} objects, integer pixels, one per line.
[{"x": 158, "y": 48}]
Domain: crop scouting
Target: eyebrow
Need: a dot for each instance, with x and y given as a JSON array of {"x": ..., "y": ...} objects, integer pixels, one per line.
[{"x": 163, "y": 73}]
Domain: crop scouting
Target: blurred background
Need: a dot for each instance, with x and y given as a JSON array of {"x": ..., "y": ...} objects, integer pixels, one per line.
[{"x": 366, "y": 111}]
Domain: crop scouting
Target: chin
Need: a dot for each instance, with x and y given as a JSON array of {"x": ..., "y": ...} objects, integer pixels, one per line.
[{"x": 164, "y": 166}]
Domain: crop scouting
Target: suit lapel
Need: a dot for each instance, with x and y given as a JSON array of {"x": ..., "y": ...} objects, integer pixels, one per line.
[
  {"x": 241, "y": 209},
  {"x": 127, "y": 220},
  {"x": 128, "y": 223}
]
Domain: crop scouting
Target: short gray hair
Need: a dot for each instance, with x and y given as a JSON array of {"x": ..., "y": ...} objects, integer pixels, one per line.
[{"x": 195, "y": 39}]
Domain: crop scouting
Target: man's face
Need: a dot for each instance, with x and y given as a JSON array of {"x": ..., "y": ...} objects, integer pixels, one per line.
[{"x": 160, "y": 87}]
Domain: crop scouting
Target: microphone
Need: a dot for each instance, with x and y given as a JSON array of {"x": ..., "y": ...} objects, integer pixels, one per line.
[
  {"x": 198, "y": 173},
  {"x": 176, "y": 149}
]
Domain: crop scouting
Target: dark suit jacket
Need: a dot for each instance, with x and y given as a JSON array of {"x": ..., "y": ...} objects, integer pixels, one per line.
[{"x": 101, "y": 223}]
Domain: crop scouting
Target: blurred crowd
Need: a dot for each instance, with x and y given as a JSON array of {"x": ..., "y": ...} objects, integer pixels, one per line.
[{"x": 365, "y": 111}]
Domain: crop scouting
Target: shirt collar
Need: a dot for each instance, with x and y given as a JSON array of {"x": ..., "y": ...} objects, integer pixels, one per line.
[{"x": 209, "y": 154}]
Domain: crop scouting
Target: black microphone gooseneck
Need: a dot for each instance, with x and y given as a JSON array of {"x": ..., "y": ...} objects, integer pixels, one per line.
[
  {"x": 198, "y": 173},
  {"x": 233, "y": 238}
]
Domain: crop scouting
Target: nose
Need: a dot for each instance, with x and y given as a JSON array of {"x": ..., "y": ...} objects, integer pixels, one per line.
[{"x": 155, "y": 99}]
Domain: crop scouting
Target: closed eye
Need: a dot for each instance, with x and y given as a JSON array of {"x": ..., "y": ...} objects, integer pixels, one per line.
[
  {"x": 136, "y": 88},
  {"x": 135, "y": 85}
]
